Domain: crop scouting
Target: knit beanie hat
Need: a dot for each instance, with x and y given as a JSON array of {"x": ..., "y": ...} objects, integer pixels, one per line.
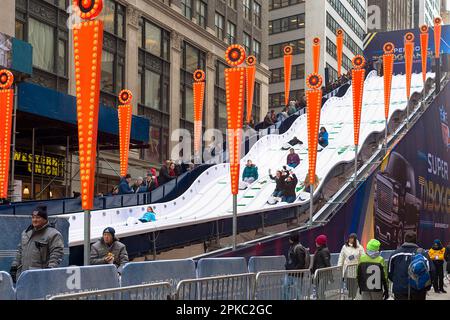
[
  {"x": 111, "y": 231},
  {"x": 321, "y": 240},
  {"x": 373, "y": 245},
  {"x": 41, "y": 211}
]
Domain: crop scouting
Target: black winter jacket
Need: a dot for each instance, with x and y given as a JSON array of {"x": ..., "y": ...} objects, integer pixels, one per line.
[{"x": 321, "y": 259}]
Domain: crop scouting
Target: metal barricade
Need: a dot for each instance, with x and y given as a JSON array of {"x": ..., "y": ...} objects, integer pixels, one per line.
[
  {"x": 351, "y": 286},
  {"x": 328, "y": 284},
  {"x": 283, "y": 285},
  {"x": 231, "y": 287},
  {"x": 154, "y": 291}
]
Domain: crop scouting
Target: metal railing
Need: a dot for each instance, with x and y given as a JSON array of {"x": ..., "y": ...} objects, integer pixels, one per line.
[
  {"x": 154, "y": 291},
  {"x": 283, "y": 285},
  {"x": 231, "y": 287},
  {"x": 328, "y": 284},
  {"x": 351, "y": 286}
]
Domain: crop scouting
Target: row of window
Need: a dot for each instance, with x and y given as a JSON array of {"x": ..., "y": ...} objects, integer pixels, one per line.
[
  {"x": 359, "y": 8},
  {"x": 254, "y": 10},
  {"x": 332, "y": 73},
  {"x": 287, "y": 24},
  {"x": 348, "y": 41},
  {"x": 347, "y": 17},
  {"x": 277, "y": 75},
  {"x": 276, "y": 50},
  {"x": 277, "y": 4},
  {"x": 276, "y": 100},
  {"x": 331, "y": 49}
]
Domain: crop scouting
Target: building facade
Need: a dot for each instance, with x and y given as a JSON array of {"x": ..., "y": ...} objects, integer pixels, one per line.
[
  {"x": 445, "y": 11},
  {"x": 151, "y": 47},
  {"x": 296, "y": 23}
]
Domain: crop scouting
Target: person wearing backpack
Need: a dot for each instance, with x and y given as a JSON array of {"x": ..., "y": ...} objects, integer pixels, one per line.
[
  {"x": 437, "y": 255},
  {"x": 298, "y": 258},
  {"x": 410, "y": 270},
  {"x": 372, "y": 273}
]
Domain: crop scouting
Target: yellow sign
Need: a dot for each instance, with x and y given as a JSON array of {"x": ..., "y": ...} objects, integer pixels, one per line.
[{"x": 49, "y": 165}]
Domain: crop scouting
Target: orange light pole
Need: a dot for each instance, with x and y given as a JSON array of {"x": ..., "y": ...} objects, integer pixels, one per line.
[
  {"x": 358, "y": 74},
  {"x": 125, "y": 113},
  {"x": 199, "y": 97},
  {"x": 88, "y": 43},
  {"x": 388, "y": 68},
  {"x": 235, "y": 87},
  {"x": 250, "y": 81},
  {"x": 288, "y": 50},
  {"x": 437, "y": 49},
  {"x": 339, "y": 49},
  {"x": 6, "y": 110},
  {"x": 424, "y": 50},
  {"x": 409, "y": 52},
  {"x": 314, "y": 103},
  {"x": 316, "y": 54}
]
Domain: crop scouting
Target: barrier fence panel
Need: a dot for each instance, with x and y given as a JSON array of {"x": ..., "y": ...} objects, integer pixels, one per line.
[
  {"x": 328, "y": 283},
  {"x": 273, "y": 263},
  {"x": 6, "y": 287},
  {"x": 233, "y": 287},
  {"x": 351, "y": 287},
  {"x": 283, "y": 285},
  {"x": 154, "y": 291},
  {"x": 210, "y": 267}
]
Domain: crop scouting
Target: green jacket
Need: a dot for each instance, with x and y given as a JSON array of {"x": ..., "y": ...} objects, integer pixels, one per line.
[
  {"x": 366, "y": 273},
  {"x": 250, "y": 172}
]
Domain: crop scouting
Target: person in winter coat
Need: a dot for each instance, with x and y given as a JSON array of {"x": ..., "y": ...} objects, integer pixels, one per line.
[
  {"x": 279, "y": 183},
  {"x": 124, "y": 185},
  {"x": 139, "y": 185},
  {"x": 447, "y": 258},
  {"x": 289, "y": 185},
  {"x": 108, "y": 250},
  {"x": 297, "y": 259},
  {"x": 41, "y": 245},
  {"x": 154, "y": 177},
  {"x": 372, "y": 273},
  {"x": 268, "y": 120},
  {"x": 349, "y": 256},
  {"x": 149, "y": 216},
  {"x": 164, "y": 176},
  {"x": 437, "y": 255},
  {"x": 307, "y": 185},
  {"x": 292, "y": 109},
  {"x": 173, "y": 171},
  {"x": 398, "y": 270},
  {"x": 250, "y": 173},
  {"x": 323, "y": 137},
  {"x": 150, "y": 183},
  {"x": 293, "y": 159},
  {"x": 322, "y": 256}
]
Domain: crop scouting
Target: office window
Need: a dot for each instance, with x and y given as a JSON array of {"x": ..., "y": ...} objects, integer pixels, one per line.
[
  {"x": 219, "y": 22},
  {"x": 277, "y": 4},
  {"x": 276, "y": 50},
  {"x": 231, "y": 33},
  {"x": 247, "y": 10},
  {"x": 287, "y": 24},
  {"x": 154, "y": 39},
  {"x": 232, "y": 4},
  {"x": 186, "y": 8},
  {"x": 202, "y": 12},
  {"x": 257, "y": 49},
  {"x": 247, "y": 43},
  {"x": 256, "y": 14}
]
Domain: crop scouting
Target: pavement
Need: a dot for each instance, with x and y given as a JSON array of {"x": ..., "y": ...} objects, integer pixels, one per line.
[{"x": 441, "y": 296}]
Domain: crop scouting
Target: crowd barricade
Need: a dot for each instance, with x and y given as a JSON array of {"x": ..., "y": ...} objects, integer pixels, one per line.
[
  {"x": 328, "y": 284},
  {"x": 351, "y": 288},
  {"x": 7, "y": 291},
  {"x": 210, "y": 267},
  {"x": 273, "y": 263},
  {"x": 154, "y": 291},
  {"x": 42, "y": 284},
  {"x": 283, "y": 285},
  {"x": 230, "y": 287}
]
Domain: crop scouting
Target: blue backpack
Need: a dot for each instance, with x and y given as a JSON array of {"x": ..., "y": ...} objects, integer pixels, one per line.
[{"x": 419, "y": 273}]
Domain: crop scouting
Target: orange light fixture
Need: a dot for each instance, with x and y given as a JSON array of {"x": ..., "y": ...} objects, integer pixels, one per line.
[
  {"x": 6, "y": 110},
  {"x": 437, "y": 36},
  {"x": 424, "y": 49},
  {"x": 358, "y": 75},
  {"x": 339, "y": 49},
  {"x": 199, "y": 97},
  {"x": 235, "y": 87},
  {"x": 125, "y": 113},
  {"x": 316, "y": 54},
  {"x": 288, "y": 51},
  {"x": 250, "y": 80},
  {"x": 409, "y": 52},
  {"x": 314, "y": 104},
  {"x": 88, "y": 43},
  {"x": 388, "y": 69}
]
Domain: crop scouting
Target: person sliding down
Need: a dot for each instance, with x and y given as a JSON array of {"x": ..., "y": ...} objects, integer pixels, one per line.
[
  {"x": 249, "y": 175},
  {"x": 290, "y": 184},
  {"x": 279, "y": 182},
  {"x": 292, "y": 143},
  {"x": 293, "y": 160},
  {"x": 149, "y": 216},
  {"x": 323, "y": 138}
]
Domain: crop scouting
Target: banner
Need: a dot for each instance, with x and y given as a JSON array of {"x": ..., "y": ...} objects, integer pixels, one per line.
[
  {"x": 437, "y": 36},
  {"x": 199, "y": 98},
  {"x": 287, "y": 73},
  {"x": 316, "y": 54},
  {"x": 250, "y": 80},
  {"x": 88, "y": 43},
  {"x": 339, "y": 49},
  {"x": 125, "y": 111},
  {"x": 358, "y": 77},
  {"x": 409, "y": 51},
  {"x": 6, "y": 110},
  {"x": 424, "y": 50},
  {"x": 388, "y": 66}
]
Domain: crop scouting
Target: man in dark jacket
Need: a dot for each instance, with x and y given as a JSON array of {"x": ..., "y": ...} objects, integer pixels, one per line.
[
  {"x": 150, "y": 184},
  {"x": 41, "y": 245},
  {"x": 124, "y": 185},
  {"x": 398, "y": 269},
  {"x": 297, "y": 256},
  {"x": 322, "y": 255},
  {"x": 108, "y": 250},
  {"x": 289, "y": 185}
]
